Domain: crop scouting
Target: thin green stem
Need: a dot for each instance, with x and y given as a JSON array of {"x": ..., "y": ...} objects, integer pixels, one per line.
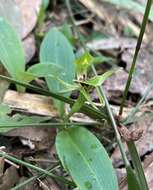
[
  {"x": 86, "y": 109},
  {"x": 13, "y": 159},
  {"x": 140, "y": 38},
  {"x": 77, "y": 32},
  {"x": 111, "y": 117},
  {"x": 113, "y": 122},
  {"x": 53, "y": 125},
  {"x": 131, "y": 146}
]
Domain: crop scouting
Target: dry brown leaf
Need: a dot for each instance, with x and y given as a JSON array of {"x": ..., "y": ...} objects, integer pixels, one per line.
[
  {"x": 9, "y": 178},
  {"x": 112, "y": 43},
  {"x": 144, "y": 69},
  {"x": 29, "y": 47},
  {"x": 29, "y": 186},
  {"x": 115, "y": 85},
  {"x": 31, "y": 133},
  {"x": 29, "y": 10},
  {"x": 96, "y": 8}
]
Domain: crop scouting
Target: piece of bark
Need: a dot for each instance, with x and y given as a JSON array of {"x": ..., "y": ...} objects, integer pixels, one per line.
[{"x": 30, "y": 103}]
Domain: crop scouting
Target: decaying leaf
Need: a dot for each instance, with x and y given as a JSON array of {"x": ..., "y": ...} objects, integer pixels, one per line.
[
  {"x": 29, "y": 11},
  {"x": 112, "y": 43},
  {"x": 29, "y": 47},
  {"x": 143, "y": 71},
  {"x": 9, "y": 178},
  {"x": 11, "y": 12},
  {"x": 114, "y": 86}
]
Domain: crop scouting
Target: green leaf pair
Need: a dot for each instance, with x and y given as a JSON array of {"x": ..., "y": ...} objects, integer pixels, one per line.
[{"x": 57, "y": 57}]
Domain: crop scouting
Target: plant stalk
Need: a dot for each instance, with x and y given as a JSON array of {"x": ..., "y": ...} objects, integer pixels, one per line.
[
  {"x": 140, "y": 38},
  {"x": 137, "y": 165},
  {"x": 113, "y": 122},
  {"x": 131, "y": 145}
]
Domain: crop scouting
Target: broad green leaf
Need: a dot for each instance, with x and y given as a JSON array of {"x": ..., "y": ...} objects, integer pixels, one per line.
[
  {"x": 131, "y": 5},
  {"x": 57, "y": 49},
  {"x": 50, "y": 70},
  {"x": 28, "y": 77},
  {"x": 84, "y": 157},
  {"x": 45, "y": 69},
  {"x": 98, "y": 80},
  {"x": 11, "y": 50},
  {"x": 40, "y": 70}
]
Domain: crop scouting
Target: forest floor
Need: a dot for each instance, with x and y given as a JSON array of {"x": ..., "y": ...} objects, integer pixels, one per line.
[{"x": 110, "y": 29}]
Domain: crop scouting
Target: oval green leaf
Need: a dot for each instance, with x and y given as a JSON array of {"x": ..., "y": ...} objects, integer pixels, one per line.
[
  {"x": 56, "y": 48},
  {"x": 85, "y": 158},
  {"x": 11, "y": 50}
]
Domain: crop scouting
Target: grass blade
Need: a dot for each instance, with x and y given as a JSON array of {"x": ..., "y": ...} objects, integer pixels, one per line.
[{"x": 137, "y": 166}]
